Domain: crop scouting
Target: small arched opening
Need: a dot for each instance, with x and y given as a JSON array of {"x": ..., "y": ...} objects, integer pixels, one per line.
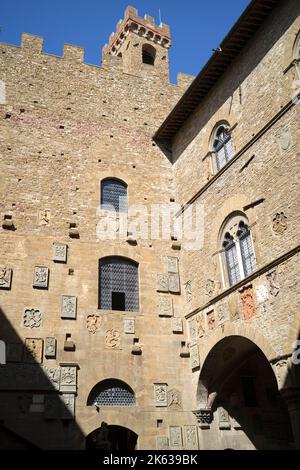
[
  {"x": 148, "y": 54},
  {"x": 111, "y": 438}
]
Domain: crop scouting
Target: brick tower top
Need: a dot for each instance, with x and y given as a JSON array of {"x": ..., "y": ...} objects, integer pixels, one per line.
[{"x": 143, "y": 27}]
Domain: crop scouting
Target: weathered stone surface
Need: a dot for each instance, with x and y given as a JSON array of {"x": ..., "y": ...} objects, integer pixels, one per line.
[
  {"x": 190, "y": 437},
  {"x": 5, "y": 277},
  {"x": 60, "y": 252},
  {"x": 33, "y": 350},
  {"x": 69, "y": 307},
  {"x": 175, "y": 437},
  {"x": 50, "y": 347},
  {"x": 40, "y": 277},
  {"x": 160, "y": 394}
]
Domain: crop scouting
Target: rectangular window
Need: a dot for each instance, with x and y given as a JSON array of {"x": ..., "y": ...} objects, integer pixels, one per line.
[{"x": 118, "y": 301}]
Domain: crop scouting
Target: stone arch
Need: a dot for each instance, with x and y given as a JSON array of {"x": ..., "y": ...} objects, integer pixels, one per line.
[
  {"x": 236, "y": 385},
  {"x": 104, "y": 386}
]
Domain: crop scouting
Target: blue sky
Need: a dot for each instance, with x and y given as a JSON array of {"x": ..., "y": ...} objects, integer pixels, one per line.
[{"x": 196, "y": 25}]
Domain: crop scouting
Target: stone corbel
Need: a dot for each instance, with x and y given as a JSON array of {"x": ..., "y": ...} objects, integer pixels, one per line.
[{"x": 204, "y": 417}]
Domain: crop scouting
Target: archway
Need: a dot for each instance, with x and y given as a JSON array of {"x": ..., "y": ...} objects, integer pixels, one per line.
[
  {"x": 112, "y": 438},
  {"x": 238, "y": 389}
]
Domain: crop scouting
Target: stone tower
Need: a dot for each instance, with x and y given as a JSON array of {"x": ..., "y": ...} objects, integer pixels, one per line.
[{"x": 141, "y": 44}]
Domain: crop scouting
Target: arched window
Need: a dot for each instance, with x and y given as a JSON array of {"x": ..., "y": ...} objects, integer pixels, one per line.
[
  {"x": 113, "y": 195},
  {"x": 296, "y": 51},
  {"x": 222, "y": 145},
  {"x": 111, "y": 392},
  {"x": 118, "y": 284},
  {"x": 149, "y": 54},
  {"x": 237, "y": 244}
]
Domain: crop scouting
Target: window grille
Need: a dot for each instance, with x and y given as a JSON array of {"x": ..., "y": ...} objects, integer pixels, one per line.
[
  {"x": 113, "y": 195},
  {"x": 112, "y": 393},
  {"x": 246, "y": 247},
  {"x": 232, "y": 260},
  {"x": 119, "y": 276},
  {"x": 223, "y": 147}
]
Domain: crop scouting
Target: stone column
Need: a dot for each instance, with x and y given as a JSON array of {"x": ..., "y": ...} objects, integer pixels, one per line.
[{"x": 291, "y": 396}]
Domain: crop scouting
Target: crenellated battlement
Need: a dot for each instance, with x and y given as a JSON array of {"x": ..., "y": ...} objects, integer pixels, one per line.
[{"x": 144, "y": 27}]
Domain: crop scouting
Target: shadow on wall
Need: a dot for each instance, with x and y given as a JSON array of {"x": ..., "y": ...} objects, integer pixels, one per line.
[
  {"x": 240, "y": 390},
  {"x": 36, "y": 399},
  {"x": 232, "y": 81}
]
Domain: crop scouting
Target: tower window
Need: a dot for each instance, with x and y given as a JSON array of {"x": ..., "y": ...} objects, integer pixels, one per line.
[
  {"x": 149, "y": 54},
  {"x": 222, "y": 146},
  {"x": 118, "y": 284},
  {"x": 238, "y": 249},
  {"x": 113, "y": 195}
]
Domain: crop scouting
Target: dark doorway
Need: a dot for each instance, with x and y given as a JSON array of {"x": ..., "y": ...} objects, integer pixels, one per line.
[{"x": 116, "y": 438}]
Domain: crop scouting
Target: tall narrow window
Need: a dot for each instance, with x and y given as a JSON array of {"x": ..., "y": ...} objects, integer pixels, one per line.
[
  {"x": 118, "y": 284},
  {"x": 239, "y": 257},
  {"x": 113, "y": 195},
  {"x": 149, "y": 54},
  {"x": 223, "y": 146}
]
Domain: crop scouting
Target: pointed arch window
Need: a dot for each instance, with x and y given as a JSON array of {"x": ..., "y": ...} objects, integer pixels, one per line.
[
  {"x": 222, "y": 146},
  {"x": 239, "y": 257},
  {"x": 114, "y": 195},
  {"x": 118, "y": 284}
]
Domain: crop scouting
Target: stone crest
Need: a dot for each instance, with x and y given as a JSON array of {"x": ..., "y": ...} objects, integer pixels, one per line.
[
  {"x": 60, "y": 252},
  {"x": 160, "y": 394},
  {"x": 211, "y": 320},
  {"x": 279, "y": 223},
  {"x": 68, "y": 379},
  {"x": 129, "y": 325},
  {"x": 195, "y": 359},
  {"x": 174, "y": 284},
  {"x": 224, "y": 421},
  {"x": 40, "y": 277},
  {"x": 175, "y": 437},
  {"x": 177, "y": 325},
  {"x": 273, "y": 283},
  {"x": 162, "y": 443},
  {"x": 247, "y": 302},
  {"x": 33, "y": 350},
  {"x": 172, "y": 264},
  {"x": 210, "y": 287},
  {"x": 93, "y": 323},
  {"x": 50, "y": 347},
  {"x": 5, "y": 277},
  {"x": 44, "y": 217},
  {"x": 188, "y": 291},
  {"x": 165, "y": 306},
  {"x": 190, "y": 437},
  {"x": 69, "y": 307},
  {"x": 174, "y": 399},
  {"x": 112, "y": 339},
  {"x": 162, "y": 283},
  {"x": 32, "y": 318}
]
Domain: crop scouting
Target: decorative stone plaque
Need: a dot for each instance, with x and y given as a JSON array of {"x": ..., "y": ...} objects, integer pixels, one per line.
[
  {"x": 247, "y": 302},
  {"x": 177, "y": 325},
  {"x": 69, "y": 306},
  {"x": 162, "y": 443},
  {"x": 32, "y": 318},
  {"x": 50, "y": 347},
  {"x": 193, "y": 330},
  {"x": 5, "y": 277},
  {"x": 190, "y": 437},
  {"x": 224, "y": 421},
  {"x": 40, "y": 277},
  {"x": 60, "y": 252},
  {"x": 262, "y": 293},
  {"x": 160, "y": 394},
  {"x": 162, "y": 283},
  {"x": 174, "y": 284},
  {"x": 188, "y": 291},
  {"x": 68, "y": 406},
  {"x": 44, "y": 217},
  {"x": 175, "y": 437},
  {"x": 112, "y": 339},
  {"x": 200, "y": 325},
  {"x": 279, "y": 223},
  {"x": 165, "y": 306},
  {"x": 195, "y": 360},
  {"x": 68, "y": 379},
  {"x": 93, "y": 323},
  {"x": 174, "y": 399},
  {"x": 33, "y": 350},
  {"x": 129, "y": 325},
  {"x": 172, "y": 264},
  {"x": 211, "y": 320}
]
